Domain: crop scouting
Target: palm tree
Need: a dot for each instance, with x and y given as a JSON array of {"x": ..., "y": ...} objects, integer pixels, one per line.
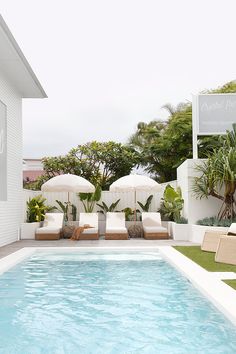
[{"x": 218, "y": 176}]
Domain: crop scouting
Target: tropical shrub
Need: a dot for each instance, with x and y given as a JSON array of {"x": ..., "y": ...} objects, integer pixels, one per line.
[
  {"x": 64, "y": 207},
  {"x": 172, "y": 204},
  {"x": 36, "y": 209},
  {"x": 217, "y": 176},
  {"x": 105, "y": 208},
  {"x": 214, "y": 221},
  {"x": 146, "y": 206},
  {"x": 89, "y": 199}
]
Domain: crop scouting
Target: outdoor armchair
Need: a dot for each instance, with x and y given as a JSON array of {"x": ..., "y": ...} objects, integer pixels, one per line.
[
  {"x": 211, "y": 238},
  {"x": 226, "y": 250}
]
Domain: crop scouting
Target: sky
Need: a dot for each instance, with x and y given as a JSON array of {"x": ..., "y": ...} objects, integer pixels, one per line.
[{"x": 108, "y": 64}]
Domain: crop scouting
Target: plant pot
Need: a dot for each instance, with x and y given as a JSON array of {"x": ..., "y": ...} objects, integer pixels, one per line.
[
  {"x": 180, "y": 232},
  {"x": 28, "y": 230}
]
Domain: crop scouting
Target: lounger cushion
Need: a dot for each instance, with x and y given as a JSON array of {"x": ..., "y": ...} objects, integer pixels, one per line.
[
  {"x": 152, "y": 229},
  {"x": 151, "y": 219},
  {"x": 116, "y": 230},
  {"x": 48, "y": 230}
]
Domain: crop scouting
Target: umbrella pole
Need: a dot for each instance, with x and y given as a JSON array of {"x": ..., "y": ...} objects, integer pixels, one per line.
[{"x": 135, "y": 213}]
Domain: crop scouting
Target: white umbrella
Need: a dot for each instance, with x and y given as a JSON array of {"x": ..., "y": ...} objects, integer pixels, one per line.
[
  {"x": 68, "y": 183},
  {"x": 135, "y": 183}
]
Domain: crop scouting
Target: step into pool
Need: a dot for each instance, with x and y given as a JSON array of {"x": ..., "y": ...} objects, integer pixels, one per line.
[{"x": 106, "y": 302}]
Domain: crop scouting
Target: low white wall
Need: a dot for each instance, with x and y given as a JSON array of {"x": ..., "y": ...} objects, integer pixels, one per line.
[{"x": 198, "y": 232}]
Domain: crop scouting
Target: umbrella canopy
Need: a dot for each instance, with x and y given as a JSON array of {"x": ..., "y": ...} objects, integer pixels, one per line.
[
  {"x": 68, "y": 183},
  {"x": 135, "y": 183}
]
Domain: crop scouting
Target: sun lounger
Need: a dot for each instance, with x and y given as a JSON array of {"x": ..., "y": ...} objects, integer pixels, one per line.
[
  {"x": 89, "y": 220},
  {"x": 153, "y": 230},
  {"x": 115, "y": 226},
  {"x": 52, "y": 227},
  {"x": 212, "y": 237},
  {"x": 226, "y": 250}
]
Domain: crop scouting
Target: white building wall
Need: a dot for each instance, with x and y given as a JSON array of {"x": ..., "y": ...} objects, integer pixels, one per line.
[
  {"x": 194, "y": 209},
  {"x": 11, "y": 210}
]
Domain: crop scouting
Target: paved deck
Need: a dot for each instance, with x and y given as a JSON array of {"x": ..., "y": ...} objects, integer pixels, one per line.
[{"x": 15, "y": 246}]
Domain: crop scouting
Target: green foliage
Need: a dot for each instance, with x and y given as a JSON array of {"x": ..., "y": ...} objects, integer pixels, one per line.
[
  {"x": 129, "y": 214},
  {"x": 205, "y": 259},
  {"x": 99, "y": 162},
  {"x": 36, "y": 209},
  {"x": 172, "y": 203},
  {"x": 105, "y": 208},
  {"x": 164, "y": 145},
  {"x": 89, "y": 199},
  {"x": 217, "y": 176},
  {"x": 214, "y": 221},
  {"x": 64, "y": 207},
  {"x": 146, "y": 206},
  {"x": 182, "y": 220}
]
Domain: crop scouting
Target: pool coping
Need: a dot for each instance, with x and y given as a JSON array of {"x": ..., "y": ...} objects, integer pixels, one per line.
[{"x": 215, "y": 290}]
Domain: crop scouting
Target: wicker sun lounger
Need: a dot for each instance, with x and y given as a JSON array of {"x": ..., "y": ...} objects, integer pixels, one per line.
[
  {"x": 52, "y": 227},
  {"x": 90, "y": 219},
  {"x": 115, "y": 226},
  {"x": 153, "y": 230}
]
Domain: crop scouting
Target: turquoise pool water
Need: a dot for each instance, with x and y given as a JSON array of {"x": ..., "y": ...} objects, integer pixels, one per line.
[{"x": 107, "y": 303}]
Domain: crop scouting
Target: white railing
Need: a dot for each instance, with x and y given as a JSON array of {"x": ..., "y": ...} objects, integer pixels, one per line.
[{"x": 126, "y": 198}]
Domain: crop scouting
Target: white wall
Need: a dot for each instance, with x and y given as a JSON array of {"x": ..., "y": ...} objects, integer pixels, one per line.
[
  {"x": 194, "y": 209},
  {"x": 11, "y": 210}
]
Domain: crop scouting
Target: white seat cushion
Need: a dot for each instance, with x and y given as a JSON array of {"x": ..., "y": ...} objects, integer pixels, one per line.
[
  {"x": 116, "y": 230},
  {"x": 151, "y": 229},
  {"x": 48, "y": 230}
]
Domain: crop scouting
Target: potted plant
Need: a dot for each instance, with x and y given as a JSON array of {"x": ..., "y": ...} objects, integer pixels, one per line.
[
  {"x": 171, "y": 207},
  {"x": 35, "y": 213}
]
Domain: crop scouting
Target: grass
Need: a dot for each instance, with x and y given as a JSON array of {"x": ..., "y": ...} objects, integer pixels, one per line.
[
  {"x": 231, "y": 283},
  {"x": 205, "y": 259}
]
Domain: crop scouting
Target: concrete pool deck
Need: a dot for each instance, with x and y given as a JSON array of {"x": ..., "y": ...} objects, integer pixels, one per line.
[{"x": 15, "y": 246}]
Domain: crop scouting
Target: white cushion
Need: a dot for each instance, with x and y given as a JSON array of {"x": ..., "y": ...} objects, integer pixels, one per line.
[
  {"x": 116, "y": 230},
  {"x": 90, "y": 219},
  {"x": 48, "y": 230},
  {"x": 232, "y": 228},
  {"x": 53, "y": 220},
  {"x": 115, "y": 220},
  {"x": 151, "y": 219},
  {"x": 150, "y": 229}
]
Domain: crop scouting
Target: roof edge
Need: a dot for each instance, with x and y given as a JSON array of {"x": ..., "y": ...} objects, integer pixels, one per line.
[{"x": 21, "y": 55}]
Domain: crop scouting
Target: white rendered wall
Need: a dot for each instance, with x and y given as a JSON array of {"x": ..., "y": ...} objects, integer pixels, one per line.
[
  {"x": 11, "y": 210},
  {"x": 194, "y": 209}
]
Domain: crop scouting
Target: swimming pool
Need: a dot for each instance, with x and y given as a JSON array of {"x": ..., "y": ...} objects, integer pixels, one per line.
[{"x": 106, "y": 302}]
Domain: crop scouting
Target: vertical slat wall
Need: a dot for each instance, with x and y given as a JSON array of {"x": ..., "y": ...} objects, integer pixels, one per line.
[{"x": 126, "y": 198}]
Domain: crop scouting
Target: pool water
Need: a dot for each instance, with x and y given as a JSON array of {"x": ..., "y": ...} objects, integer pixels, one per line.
[{"x": 114, "y": 303}]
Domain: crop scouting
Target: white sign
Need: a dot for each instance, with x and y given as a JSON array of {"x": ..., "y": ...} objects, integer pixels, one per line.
[
  {"x": 215, "y": 113},
  {"x": 3, "y": 152}
]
